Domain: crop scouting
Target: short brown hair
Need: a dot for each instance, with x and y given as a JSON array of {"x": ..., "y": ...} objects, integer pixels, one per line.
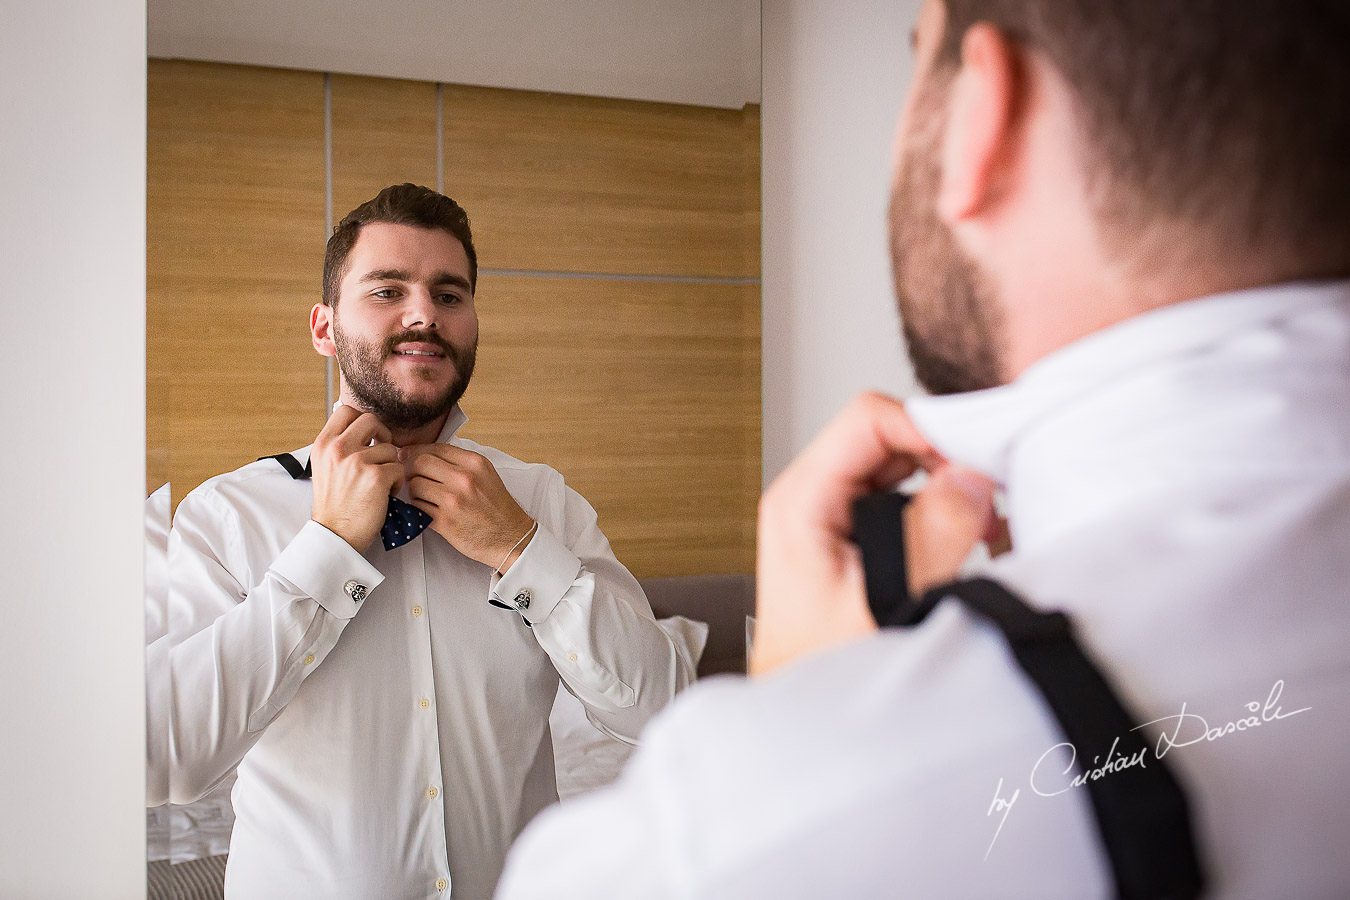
[
  {"x": 1229, "y": 118},
  {"x": 399, "y": 204}
]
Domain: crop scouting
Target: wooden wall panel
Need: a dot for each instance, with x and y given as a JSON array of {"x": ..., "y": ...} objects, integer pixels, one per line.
[
  {"x": 645, "y": 395},
  {"x": 235, "y": 200},
  {"x": 582, "y": 184},
  {"x": 752, "y": 213},
  {"x": 384, "y": 132}
]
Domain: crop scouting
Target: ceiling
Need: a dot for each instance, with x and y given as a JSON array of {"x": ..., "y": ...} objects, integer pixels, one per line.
[{"x": 701, "y": 52}]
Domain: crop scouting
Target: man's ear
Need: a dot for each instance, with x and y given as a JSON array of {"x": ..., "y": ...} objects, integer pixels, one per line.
[
  {"x": 981, "y": 125},
  {"x": 321, "y": 329}
]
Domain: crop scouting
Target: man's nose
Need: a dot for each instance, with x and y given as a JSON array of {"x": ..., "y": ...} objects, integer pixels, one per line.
[{"x": 419, "y": 309}]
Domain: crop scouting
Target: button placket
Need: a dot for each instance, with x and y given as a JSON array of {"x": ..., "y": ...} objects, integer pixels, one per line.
[{"x": 421, "y": 564}]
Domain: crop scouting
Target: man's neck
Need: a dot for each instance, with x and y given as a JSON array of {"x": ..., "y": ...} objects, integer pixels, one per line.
[
  {"x": 402, "y": 437},
  {"x": 1046, "y": 326},
  {"x": 426, "y": 434}
]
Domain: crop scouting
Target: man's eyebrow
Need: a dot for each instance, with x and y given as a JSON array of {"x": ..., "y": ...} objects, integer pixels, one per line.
[
  {"x": 437, "y": 278},
  {"x": 442, "y": 278},
  {"x": 386, "y": 275}
]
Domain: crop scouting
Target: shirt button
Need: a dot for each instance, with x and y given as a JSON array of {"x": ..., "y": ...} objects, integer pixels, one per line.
[
  {"x": 432, "y": 792},
  {"x": 309, "y": 660},
  {"x": 441, "y": 884},
  {"x": 571, "y": 657},
  {"x": 424, "y": 703},
  {"x": 417, "y": 610}
]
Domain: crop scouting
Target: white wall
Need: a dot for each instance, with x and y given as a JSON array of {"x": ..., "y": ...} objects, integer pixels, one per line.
[
  {"x": 704, "y": 52},
  {"x": 72, "y": 337},
  {"x": 834, "y": 79}
]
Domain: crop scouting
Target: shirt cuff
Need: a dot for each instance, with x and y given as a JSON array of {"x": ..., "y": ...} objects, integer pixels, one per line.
[
  {"x": 539, "y": 577},
  {"x": 325, "y": 567}
]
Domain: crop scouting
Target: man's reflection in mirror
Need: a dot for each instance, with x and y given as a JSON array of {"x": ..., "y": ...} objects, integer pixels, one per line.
[{"x": 372, "y": 629}]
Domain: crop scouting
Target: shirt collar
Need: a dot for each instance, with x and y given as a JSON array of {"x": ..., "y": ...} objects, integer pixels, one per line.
[
  {"x": 453, "y": 423},
  {"x": 980, "y": 429}
]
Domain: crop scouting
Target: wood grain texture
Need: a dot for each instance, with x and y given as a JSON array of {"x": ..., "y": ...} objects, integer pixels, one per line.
[
  {"x": 645, "y": 395},
  {"x": 384, "y": 132},
  {"x": 235, "y": 198},
  {"x": 752, "y": 212},
  {"x": 581, "y": 184}
]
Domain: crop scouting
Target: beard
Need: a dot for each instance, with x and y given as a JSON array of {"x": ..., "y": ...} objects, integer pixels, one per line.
[
  {"x": 362, "y": 365},
  {"x": 948, "y": 316}
]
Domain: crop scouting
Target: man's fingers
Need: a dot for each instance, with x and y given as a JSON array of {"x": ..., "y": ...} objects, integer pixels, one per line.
[
  {"x": 377, "y": 454},
  {"x": 944, "y": 523},
  {"x": 428, "y": 466},
  {"x": 364, "y": 429},
  {"x": 448, "y": 453},
  {"x": 383, "y": 462},
  {"x": 871, "y": 445},
  {"x": 422, "y": 489},
  {"x": 337, "y": 423},
  {"x": 422, "y": 501},
  {"x": 391, "y": 474}
]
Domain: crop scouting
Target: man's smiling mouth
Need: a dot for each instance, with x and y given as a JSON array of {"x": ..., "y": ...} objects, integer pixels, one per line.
[{"x": 415, "y": 349}]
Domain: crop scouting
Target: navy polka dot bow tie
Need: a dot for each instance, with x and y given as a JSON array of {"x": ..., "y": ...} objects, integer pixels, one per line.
[{"x": 402, "y": 523}]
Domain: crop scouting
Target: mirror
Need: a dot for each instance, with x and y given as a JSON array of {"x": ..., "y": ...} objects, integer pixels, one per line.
[{"x": 618, "y": 243}]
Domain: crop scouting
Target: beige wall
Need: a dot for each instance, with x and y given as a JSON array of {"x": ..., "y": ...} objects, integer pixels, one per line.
[{"x": 619, "y": 297}]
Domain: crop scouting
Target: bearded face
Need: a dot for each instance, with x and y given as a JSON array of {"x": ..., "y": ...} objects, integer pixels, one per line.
[
  {"x": 948, "y": 315},
  {"x": 363, "y": 369}
]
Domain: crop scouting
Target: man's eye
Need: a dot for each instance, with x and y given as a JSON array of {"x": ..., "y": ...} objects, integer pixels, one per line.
[
  {"x": 451, "y": 299},
  {"x": 385, "y": 293}
]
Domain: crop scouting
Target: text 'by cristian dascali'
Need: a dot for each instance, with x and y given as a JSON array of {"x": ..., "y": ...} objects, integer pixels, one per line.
[{"x": 1058, "y": 770}]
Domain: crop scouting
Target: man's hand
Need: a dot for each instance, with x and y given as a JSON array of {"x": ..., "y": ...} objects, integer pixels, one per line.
[
  {"x": 468, "y": 504},
  {"x": 353, "y": 478},
  {"x": 810, "y": 585}
]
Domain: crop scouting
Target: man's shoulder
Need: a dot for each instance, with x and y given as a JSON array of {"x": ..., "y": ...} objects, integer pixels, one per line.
[
  {"x": 945, "y": 690},
  {"x": 264, "y": 481},
  {"x": 848, "y": 758}
]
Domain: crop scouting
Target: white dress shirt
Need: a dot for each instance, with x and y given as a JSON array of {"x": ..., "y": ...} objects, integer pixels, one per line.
[
  {"x": 389, "y": 725},
  {"x": 1179, "y": 484}
]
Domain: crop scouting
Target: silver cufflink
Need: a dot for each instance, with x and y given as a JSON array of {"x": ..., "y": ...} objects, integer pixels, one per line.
[
  {"x": 357, "y": 591},
  {"x": 522, "y": 600}
]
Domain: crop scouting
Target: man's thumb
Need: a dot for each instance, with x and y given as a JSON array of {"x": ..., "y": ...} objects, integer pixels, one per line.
[{"x": 944, "y": 523}]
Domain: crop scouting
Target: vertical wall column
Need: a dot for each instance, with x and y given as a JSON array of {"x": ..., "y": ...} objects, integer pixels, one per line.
[
  {"x": 833, "y": 87},
  {"x": 72, "y": 318}
]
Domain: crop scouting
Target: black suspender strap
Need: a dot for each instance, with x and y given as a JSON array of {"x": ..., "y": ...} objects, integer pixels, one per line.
[
  {"x": 875, "y": 520},
  {"x": 291, "y": 465},
  {"x": 1141, "y": 810}
]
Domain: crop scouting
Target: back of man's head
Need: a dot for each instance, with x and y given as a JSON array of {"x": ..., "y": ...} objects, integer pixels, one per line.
[
  {"x": 1225, "y": 123},
  {"x": 399, "y": 204}
]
